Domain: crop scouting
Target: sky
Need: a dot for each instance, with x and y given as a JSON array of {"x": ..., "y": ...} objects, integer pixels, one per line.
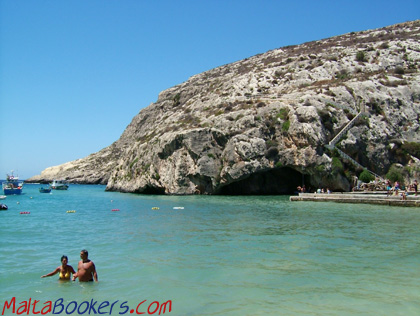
[{"x": 73, "y": 74}]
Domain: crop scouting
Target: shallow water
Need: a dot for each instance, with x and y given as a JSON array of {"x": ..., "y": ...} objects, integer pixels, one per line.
[{"x": 253, "y": 255}]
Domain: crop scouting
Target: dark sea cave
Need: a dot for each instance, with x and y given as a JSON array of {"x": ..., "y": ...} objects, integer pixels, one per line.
[{"x": 282, "y": 181}]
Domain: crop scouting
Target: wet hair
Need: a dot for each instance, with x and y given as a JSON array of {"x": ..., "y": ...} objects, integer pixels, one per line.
[
  {"x": 64, "y": 257},
  {"x": 85, "y": 252}
]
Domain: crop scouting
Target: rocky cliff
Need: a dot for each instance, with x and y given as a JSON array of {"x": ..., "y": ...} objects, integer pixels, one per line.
[{"x": 261, "y": 125}]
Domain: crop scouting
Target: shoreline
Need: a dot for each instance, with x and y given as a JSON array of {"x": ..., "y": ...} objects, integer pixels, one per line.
[{"x": 366, "y": 197}]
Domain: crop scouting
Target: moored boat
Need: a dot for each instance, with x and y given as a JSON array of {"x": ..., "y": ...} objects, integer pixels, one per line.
[
  {"x": 3, "y": 207},
  {"x": 44, "y": 190},
  {"x": 59, "y": 185},
  {"x": 12, "y": 185}
]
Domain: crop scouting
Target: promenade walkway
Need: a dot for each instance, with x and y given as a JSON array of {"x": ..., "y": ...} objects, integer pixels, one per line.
[{"x": 368, "y": 197}]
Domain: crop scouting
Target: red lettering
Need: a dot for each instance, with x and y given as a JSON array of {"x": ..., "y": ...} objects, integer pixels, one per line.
[
  {"x": 33, "y": 307},
  {"x": 24, "y": 307},
  {"x": 157, "y": 307},
  {"x": 8, "y": 305},
  {"x": 137, "y": 309},
  {"x": 29, "y": 306},
  {"x": 164, "y": 307},
  {"x": 49, "y": 308}
]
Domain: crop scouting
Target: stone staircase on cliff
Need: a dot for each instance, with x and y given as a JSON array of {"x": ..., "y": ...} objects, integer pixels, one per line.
[
  {"x": 337, "y": 138},
  {"x": 341, "y": 134},
  {"x": 344, "y": 131}
]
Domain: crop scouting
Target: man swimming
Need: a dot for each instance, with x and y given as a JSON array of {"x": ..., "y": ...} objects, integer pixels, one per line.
[{"x": 86, "y": 270}]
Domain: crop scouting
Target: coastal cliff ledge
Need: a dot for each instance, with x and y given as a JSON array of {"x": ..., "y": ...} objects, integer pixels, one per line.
[{"x": 266, "y": 124}]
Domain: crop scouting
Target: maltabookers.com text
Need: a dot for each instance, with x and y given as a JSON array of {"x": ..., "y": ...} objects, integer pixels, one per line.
[{"x": 92, "y": 307}]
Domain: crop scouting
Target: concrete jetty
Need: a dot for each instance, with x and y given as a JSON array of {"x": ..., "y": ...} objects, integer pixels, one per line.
[{"x": 367, "y": 197}]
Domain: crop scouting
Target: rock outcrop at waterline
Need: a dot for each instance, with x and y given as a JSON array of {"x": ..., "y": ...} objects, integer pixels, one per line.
[{"x": 260, "y": 125}]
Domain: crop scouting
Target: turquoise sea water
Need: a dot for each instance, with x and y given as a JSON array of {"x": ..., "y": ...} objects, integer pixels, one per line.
[{"x": 219, "y": 255}]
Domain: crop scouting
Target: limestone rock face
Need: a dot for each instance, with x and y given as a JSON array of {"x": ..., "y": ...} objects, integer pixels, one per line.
[
  {"x": 260, "y": 125},
  {"x": 94, "y": 169}
]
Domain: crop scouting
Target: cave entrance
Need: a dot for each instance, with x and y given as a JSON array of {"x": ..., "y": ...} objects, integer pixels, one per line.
[
  {"x": 152, "y": 190},
  {"x": 282, "y": 181}
]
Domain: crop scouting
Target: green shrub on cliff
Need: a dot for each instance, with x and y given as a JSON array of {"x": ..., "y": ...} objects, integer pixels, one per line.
[
  {"x": 365, "y": 176},
  {"x": 285, "y": 127},
  {"x": 412, "y": 149},
  {"x": 394, "y": 174},
  {"x": 283, "y": 114},
  {"x": 176, "y": 99},
  {"x": 337, "y": 166},
  {"x": 360, "y": 56}
]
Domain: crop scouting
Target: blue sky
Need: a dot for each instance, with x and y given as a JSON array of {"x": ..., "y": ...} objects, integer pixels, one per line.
[{"x": 73, "y": 74}]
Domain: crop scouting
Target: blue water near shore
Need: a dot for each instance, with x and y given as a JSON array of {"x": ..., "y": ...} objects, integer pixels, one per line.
[{"x": 248, "y": 255}]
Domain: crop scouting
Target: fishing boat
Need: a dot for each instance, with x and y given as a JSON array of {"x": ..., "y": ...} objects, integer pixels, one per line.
[
  {"x": 12, "y": 185},
  {"x": 44, "y": 190},
  {"x": 59, "y": 185},
  {"x": 3, "y": 207}
]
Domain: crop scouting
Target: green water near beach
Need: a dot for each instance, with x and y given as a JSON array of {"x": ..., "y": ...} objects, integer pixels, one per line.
[{"x": 216, "y": 255}]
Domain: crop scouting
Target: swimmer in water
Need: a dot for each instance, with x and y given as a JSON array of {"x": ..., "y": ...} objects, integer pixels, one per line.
[
  {"x": 86, "y": 270},
  {"x": 65, "y": 270}
]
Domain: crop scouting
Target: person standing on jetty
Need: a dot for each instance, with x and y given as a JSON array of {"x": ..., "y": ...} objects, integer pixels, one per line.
[
  {"x": 65, "y": 270},
  {"x": 86, "y": 270}
]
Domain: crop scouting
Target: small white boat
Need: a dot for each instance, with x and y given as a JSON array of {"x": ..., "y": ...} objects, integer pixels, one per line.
[
  {"x": 59, "y": 185},
  {"x": 2, "y": 197}
]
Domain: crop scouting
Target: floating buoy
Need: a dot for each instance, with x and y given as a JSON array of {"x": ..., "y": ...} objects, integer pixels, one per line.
[
  {"x": 71, "y": 211},
  {"x": 25, "y": 212},
  {"x": 115, "y": 210},
  {"x": 155, "y": 208},
  {"x": 178, "y": 207}
]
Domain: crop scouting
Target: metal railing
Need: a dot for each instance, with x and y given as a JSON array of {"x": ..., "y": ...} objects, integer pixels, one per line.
[
  {"x": 344, "y": 130},
  {"x": 333, "y": 142},
  {"x": 347, "y": 157}
]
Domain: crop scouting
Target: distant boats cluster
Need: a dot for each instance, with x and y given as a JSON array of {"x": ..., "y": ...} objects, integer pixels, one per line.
[
  {"x": 13, "y": 186},
  {"x": 55, "y": 185}
]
